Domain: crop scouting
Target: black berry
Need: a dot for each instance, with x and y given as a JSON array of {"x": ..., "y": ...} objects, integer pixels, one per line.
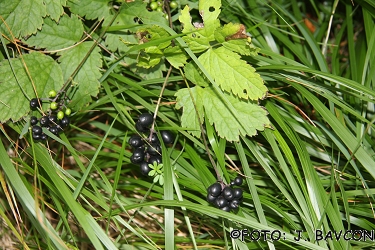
[
  {"x": 145, "y": 120},
  {"x": 167, "y": 136},
  {"x": 226, "y": 209},
  {"x": 140, "y": 128},
  {"x": 36, "y": 130},
  {"x": 154, "y": 149},
  {"x": 54, "y": 130},
  {"x": 44, "y": 121},
  {"x": 43, "y": 137},
  {"x": 234, "y": 204},
  {"x": 214, "y": 189},
  {"x": 154, "y": 138},
  {"x": 34, "y": 103},
  {"x": 33, "y": 120},
  {"x": 237, "y": 193},
  {"x": 238, "y": 181},
  {"x": 135, "y": 141},
  {"x": 36, "y": 136},
  {"x": 53, "y": 120},
  {"x": 221, "y": 202},
  {"x": 155, "y": 158},
  {"x": 138, "y": 156},
  {"x": 211, "y": 198},
  {"x": 64, "y": 122},
  {"x": 228, "y": 193},
  {"x": 145, "y": 169}
]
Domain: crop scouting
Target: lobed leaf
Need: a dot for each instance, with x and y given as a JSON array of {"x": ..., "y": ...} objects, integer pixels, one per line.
[
  {"x": 91, "y": 9},
  {"x": 233, "y": 74},
  {"x": 21, "y": 17},
  {"x": 55, "y": 8},
  {"x": 54, "y": 36},
  {"x": 87, "y": 77},
  {"x": 209, "y": 104},
  {"x": 16, "y": 92}
]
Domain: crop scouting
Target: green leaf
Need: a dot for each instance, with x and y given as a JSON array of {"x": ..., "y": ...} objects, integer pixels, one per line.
[
  {"x": 46, "y": 75},
  {"x": 210, "y": 10},
  {"x": 22, "y": 17},
  {"x": 226, "y": 125},
  {"x": 55, "y": 8},
  {"x": 55, "y": 36},
  {"x": 233, "y": 74},
  {"x": 131, "y": 11},
  {"x": 241, "y": 46},
  {"x": 150, "y": 57},
  {"x": 189, "y": 117},
  {"x": 87, "y": 76},
  {"x": 194, "y": 75},
  {"x": 175, "y": 56},
  {"x": 91, "y": 9},
  {"x": 221, "y": 34}
]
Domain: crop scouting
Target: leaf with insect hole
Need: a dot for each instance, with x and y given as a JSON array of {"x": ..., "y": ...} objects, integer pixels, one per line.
[{"x": 14, "y": 85}]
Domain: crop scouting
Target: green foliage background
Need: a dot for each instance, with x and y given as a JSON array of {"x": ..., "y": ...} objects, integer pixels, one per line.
[{"x": 288, "y": 105}]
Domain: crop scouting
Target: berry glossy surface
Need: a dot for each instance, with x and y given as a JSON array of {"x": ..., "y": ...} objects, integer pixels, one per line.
[
  {"x": 238, "y": 181},
  {"x": 210, "y": 198},
  {"x": 33, "y": 120},
  {"x": 64, "y": 122},
  {"x": 228, "y": 193},
  {"x": 234, "y": 204},
  {"x": 226, "y": 209},
  {"x": 43, "y": 137},
  {"x": 154, "y": 5},
  {"x": 54, "y": 130},
  {"x": 135, "y": 141},
  {"x": 154, "y": 149},
  {"x": 53, "y": 105},
  {"x": 221, "y": 202},
  {"x": 237, "y": 193},
  {"x": 145, "y": 119},
  {"x": 214, "y": 189},
  {"x": 34, "y": 103},
  {"x": 60, "y": 115},
  {"x": 52, "y": 93},
  {"x": 145, "y": 169},
  {"x": 173, "y": 5},
  {"x": 68, "y": 111},
  {"x": 154, "y": 138},
  {"x": 36, "y": 137},
  {"x": 155, "y": 158},
  {"x": 138, "y": 155},
  {"x": 167, "y": 136},
  {"x": 53, "y": 120},
  {"x": 140, "y": 128},
  {"x": 44, "y": 121},
  {"x": 36, "y": 130}
]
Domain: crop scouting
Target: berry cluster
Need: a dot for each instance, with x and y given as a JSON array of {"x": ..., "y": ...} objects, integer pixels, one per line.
[
  {"x": 158, "y": 5},
  {"x": 55, "y": 120},
  {"x": 147, "y": 150},
  {"x": 226, "y": 198}
]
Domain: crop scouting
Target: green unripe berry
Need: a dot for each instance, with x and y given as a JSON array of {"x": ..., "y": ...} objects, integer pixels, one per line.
[
  {"x": 159, "y": 9},
  {"x": 53, "y": 105},
  {"x": 153, "y": 5},
  {"x": 52, "y": 93},
  {"x": 173, "y": 5},
  {"x": 60, "y": 115},
  {"x": 68, "y": 111}
]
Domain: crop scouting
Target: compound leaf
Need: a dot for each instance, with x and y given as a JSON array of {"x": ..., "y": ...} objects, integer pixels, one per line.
[
  {"x": 55, "y": 36},
  {"x": 22, "y": 17},
  {"x": 194, "y": 75},
  {"x": 233, "y": 74},
  {"x": 87, "y": 77},
  {"x": 14, "y": 92},
  {"x": 55, "y": 8},
  {"x": 175, "y": 56}
]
